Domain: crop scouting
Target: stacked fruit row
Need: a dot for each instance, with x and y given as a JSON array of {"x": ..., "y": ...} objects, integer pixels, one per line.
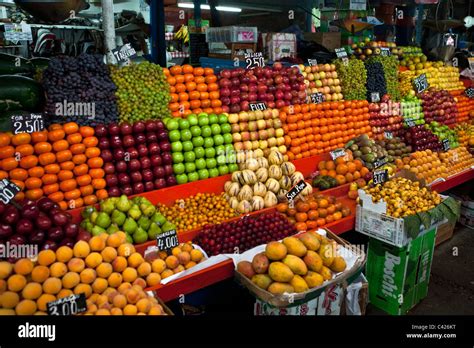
[
  {"x": 313, "y": 129},
  {"x": 322, "y": 78},
  {"x": 385, "y": 117},
  {"x": 106, "y": 269},
  {"x": 193, "y": 90},
  {"x": 439, "y": 106},
  {"x": 464, "y": 105},
  {"x": 62, "y": 163},
  {"x": 457, "y": 160},
  {"x": 137, "y": 157},
  {"x": 201, "y": 147},
  {"x": 425, "y": 164}
]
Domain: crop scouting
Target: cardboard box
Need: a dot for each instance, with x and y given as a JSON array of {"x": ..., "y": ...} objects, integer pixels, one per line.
[
  {"x": 329, "y": 40},
  {"x": 279, "y": 45},
  {"x": 399, "y": 277},
  {"x": 445, "y": 232},
  {"x": 354, "y": 257}
]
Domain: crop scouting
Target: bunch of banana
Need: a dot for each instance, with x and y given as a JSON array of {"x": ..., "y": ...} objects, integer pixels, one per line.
[{"x": 183, "y": 34}]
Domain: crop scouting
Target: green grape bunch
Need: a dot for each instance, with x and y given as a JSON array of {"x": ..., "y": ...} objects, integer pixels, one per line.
[
  {"x": 353, "y": 77},
  {"x": 142, "y": 92}
]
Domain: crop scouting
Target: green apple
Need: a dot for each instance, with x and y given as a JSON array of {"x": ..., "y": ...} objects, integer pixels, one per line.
[
  {"x": 233, "y": 167},
  {"x": 213, "y": 119},
  {"x": 211, "y": 163},
  {"x": 203, "y": 119},
  {"x": 210, "y": 152},
  {"x": 178, "y": 168},
  {"x": 226, "y": 128},
  {"x": 196, "y": 131},
  {"x": 220, "y": 150},
  {"x": 208, "y": 142},
  {"x": 172, "y": 124},
  {"x": 206, "y": 131},
  {"x": 203, "y": 174},
  {"x": 190, "y": 167},
  {"x": 223, "y": 170},
  {"x": 183, "y": 123},
  {"x": 174, "y": 135},
  {"x": 199, "y": 152},
  {"x": 178, "y": 157},
  {"x": 221, "y": 160},
  {"x": 177, "y": 146},
  {"x": 193, "y": 176},
  {"x": 187, "y": 146},
  {"x": 223, "y": 119},
  {"x": 198, "y": 141},
  {"x": 186, "y": 135},
  {"x": 216, "y": 129},
  {"x": 193, "y": 120},
  {"x": 214, "y": 172},
  {"x": 218, "y": 140},
  {"x": 181, "y": 179},
  {"x": 189, "y": 156},
  {"x": 227, "y": 138},
  {"x": 229, "y": 148},
  {"x": 200, "y": 163}
]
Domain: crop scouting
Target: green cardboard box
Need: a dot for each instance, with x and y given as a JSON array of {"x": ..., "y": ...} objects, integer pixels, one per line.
[{"x": 399, "y": 277}]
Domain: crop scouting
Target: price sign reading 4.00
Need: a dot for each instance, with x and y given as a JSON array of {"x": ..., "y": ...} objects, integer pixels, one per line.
[
  {"x": 167, "y": 240},
  {"x": 254, "y": 60},
  {"x": 70, "y": 305},
  {"x": 27, "y": 123},
  {"x": 8, "y": 190}
]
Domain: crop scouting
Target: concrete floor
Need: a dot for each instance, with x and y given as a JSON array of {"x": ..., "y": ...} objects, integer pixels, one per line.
[{"x": 451, "y": 289}]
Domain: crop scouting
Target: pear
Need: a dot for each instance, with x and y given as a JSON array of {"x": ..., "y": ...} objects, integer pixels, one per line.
[
  {"x": 103, "y": 220},
  {"x": 140, "y": 236},
  {"x": 130, "y": 226},
  {"x": 118, "y": 217},
  {"x": 107, "y": 206},
  {"x": 124, "y": 204},
  {"x": 134, "y": 212},
  {"x": 153, "y": 231}
]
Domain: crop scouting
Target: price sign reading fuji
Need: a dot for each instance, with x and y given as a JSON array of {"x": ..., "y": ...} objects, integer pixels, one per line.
[
  {"x": 316, "y": 98},
  {"x": 8, "y": 190},
  {"x": 27, "y": 123},
  {"x": 388, "y": 135},
  {"x": 469, "y": 92},
  {"x": 124, "y": 53},
  {"x": 375, "y": 97},
  {"x": 380, "y": 176},
  {"x": 420, "y": 83},
  {"x": 254, "y": 60},
  {"x": 70, "y": 305},
  {"x": 337, "y": 153},
  {"x": 312, "y": 62},
  {"x": 446, "y": 145},
  {"x": 385, "y": 51},
  {"x": 257, "y": 106},
  {"x": 295, "y": 190},
  {"x": 167, "y": 240}
]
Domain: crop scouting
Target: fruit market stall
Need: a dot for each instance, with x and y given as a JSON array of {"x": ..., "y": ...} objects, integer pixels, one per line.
[{"x": 159, "y": 179}]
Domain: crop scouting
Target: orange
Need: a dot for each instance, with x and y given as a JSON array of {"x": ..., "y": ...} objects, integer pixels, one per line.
[
  {"x": 60, "y": 145},
  {"x": 81, "y": 169},
  {"x": 4, "y": 139},
  {"x": 68, "y": 185},
  {"x": 56, "y": 135},
  {"x": 80, "y": 158},
  {"x": 96, "y": 173},
  {"x": 28, "y": 162},
  {"x": 96, "y": 162},
  {"x": 92, "y": 152},
  {"x": 63, "y": 156},
  {"x": 77, "y": 149},
  {"x": 68, "y": 165},
  {"x": 83, "y": 180},
  {"x": 301, "y": 217},
  {"x": 99, "y": 184},
  {"x": 56, "y": 196},
  {"x": 90, "y": 200},
  {"x": 21, "y": 139},
  {"x": 47, "y": 158},
  {"x": 86, "y": 190},
  {"x": 72, "y": 194},
  {"x": 71, "y": 127},
  {"x": 33, "y": 183},
  {"x": 101, "y": 194},
  {"x": 9, "y": 164},
  {"x": 50, "y": 188},
  {"x": 65, "y": 175},
  {"x": 90, "y": 141},
  {"x": 25, "y": 149},
  {"x": 36, "y": 172},
  {"x": 42, "y": 147},
  {"x": 52, "y": 168},
  {"x": 18, "y": 174},
  {"x": 86, "y": 131},
  {"x": 34, "y": 194}
]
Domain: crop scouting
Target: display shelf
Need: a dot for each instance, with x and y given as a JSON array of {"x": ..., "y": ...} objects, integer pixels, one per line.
[{"x": 455, "y": 180}]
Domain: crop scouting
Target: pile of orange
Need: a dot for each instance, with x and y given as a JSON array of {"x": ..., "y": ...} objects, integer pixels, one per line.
[
  {"x": 193, "y": 90},
  {"x": 425, "y": 164},
  {"x": 344, "y": 169},
  {"x": 312, "y": 129},
  {"x": 456, "y": 160},
  {"x": 62, "y": 163},
  {"x": 464, "y": 105},
  {"x": 314, "y": 212}
]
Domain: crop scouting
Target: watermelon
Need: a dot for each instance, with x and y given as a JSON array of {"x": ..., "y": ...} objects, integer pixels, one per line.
[
  {"x": 20, "y": 93},
  {"x": 13, "y": 65}
]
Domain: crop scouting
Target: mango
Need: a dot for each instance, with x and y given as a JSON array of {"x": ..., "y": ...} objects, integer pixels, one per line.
[
  {"x": 280, "y": 288},
  {"x": 280, "y": 272},
  {"x": 262, "y": 281},
  {"x": 310, "y": 241},
  {"x": 317, "y": 235},
  {"x": 299, "y": 284},
  {"x": 338, "y": 265},
  {"x": 296, "y": 265},
  {"x": 313, "y": 279},
  {"x": 260, "y": 263},
  {"x": 327, "y": 253},
  {"x": 295, "y": 246},
  {"x": 276, "y": 251},
  {"x": 313, "y": 261},
  {"x": 326, "y": 273},
  {"x": 245, "y": 267}
]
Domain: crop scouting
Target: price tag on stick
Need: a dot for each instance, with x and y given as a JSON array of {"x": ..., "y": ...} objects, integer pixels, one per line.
[
  {"x": 8, "y": 191},
  {"x": 167, "y": 240},
  {"x": 380, "y": 176},
  {"x": 27, "y": 123},
  {"x": 70, "y": 305}
]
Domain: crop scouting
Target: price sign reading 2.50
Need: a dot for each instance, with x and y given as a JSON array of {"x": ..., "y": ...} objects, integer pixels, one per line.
[{"x": 27, "y": 123}]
